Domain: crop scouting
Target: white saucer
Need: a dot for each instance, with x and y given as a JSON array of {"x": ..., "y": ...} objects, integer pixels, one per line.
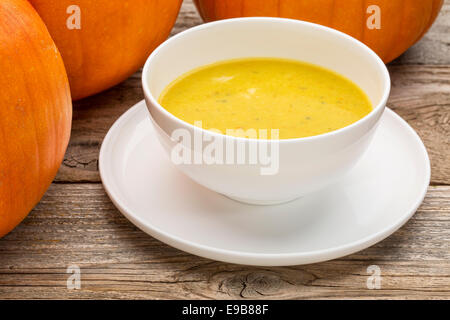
[{"x": 372, "y": 202}]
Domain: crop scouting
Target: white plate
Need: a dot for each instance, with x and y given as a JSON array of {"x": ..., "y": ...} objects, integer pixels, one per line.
[{"x": 369, "y": 204}]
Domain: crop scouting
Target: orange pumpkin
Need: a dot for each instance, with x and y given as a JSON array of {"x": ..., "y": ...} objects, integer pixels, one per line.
[
  {"x": 103, "y": 42},
  {"x": 35, "y": 111},
  {"x": 402, "y": 22}
]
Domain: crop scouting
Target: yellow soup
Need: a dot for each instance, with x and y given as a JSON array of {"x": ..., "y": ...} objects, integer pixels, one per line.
[{"x": 260, "y": 95}]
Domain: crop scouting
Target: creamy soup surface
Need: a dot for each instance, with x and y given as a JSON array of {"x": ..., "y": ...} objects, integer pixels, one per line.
[{"x": 240, "y": 97}]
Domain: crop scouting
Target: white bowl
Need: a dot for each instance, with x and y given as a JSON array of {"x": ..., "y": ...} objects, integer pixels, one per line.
[{"x": 305, "y": 164}]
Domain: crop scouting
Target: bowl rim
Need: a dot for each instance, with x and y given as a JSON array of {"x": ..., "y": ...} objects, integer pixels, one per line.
[{"x": 376, "y": 110}]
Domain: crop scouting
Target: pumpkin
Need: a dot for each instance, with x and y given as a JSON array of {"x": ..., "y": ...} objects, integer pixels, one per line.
[
  {"x": 402, "y": 22},
  {"x": 103, "y": 42},
  {"x": 35, "y": 111}
]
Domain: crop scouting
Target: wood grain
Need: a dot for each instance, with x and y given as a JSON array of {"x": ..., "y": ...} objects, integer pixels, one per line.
[
  {"x": 421, "y": 95},
  {"x": 76, "y": 223}
]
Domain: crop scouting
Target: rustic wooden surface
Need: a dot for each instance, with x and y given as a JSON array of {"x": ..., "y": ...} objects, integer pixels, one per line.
[{"x": 76, "y": 224}]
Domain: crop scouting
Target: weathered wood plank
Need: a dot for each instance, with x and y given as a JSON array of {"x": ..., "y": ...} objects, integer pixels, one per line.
[
  {"x": 92, "y": 118},
  {"x": 76, "y": 224},
  {"x": 421, "y": 95}
]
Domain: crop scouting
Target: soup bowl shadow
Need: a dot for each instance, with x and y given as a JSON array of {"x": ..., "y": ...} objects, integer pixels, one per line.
[{"x": 259, "y": 171}]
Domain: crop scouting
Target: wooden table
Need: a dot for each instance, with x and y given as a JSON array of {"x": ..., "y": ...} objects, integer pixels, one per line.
[{"x": 76, "y": 223}]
